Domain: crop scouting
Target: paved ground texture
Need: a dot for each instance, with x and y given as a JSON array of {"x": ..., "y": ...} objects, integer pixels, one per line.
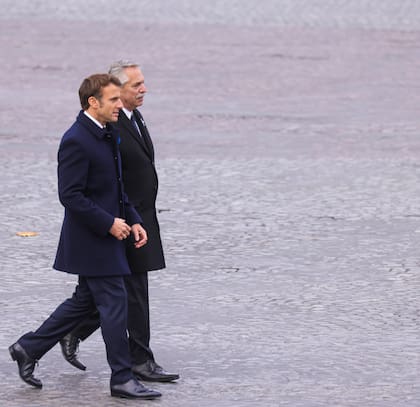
[{"x": 288, "y": 148}]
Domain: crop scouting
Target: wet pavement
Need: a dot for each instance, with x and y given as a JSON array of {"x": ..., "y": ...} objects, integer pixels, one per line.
[{"x": 288, "y": 156}]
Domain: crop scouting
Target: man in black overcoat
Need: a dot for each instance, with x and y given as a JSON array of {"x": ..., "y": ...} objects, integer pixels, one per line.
[
  {"x": 141, "y": 185},
  {"x": 97, "y": 219}
]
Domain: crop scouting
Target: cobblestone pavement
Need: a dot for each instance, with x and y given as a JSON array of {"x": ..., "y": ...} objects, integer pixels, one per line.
[{"x": 289, "y": 204}]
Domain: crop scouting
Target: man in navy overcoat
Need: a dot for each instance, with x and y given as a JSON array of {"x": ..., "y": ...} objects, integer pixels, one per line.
[{"x": 97, "y": 220}]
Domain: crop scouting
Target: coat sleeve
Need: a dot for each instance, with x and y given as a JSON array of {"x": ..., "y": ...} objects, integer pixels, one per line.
[
  {"x": 131, "y": 214},
  {"x": 73, "y": 168}
]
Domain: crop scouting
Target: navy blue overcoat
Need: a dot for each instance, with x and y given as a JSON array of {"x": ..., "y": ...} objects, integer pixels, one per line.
[{"x": 91, "y": 191}]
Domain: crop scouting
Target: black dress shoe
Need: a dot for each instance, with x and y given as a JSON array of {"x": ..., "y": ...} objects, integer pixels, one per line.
[
  {"x": 133, "y": 390},
  {"x": 26, "y": 365},
  {"x": 150, "y": 371},
  {"x": 69, "y": 347}
]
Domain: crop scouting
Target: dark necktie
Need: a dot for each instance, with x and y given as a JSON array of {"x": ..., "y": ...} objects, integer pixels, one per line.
[{"x": 136, "y": 126}]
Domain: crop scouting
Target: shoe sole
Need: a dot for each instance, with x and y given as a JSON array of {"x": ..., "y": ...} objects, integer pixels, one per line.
[
  {"x": 76, "y": 364},
  {"x": 12, "y": 353},
  {"x": 162, "y": 380},
  {"x": 127, "y": 396}
]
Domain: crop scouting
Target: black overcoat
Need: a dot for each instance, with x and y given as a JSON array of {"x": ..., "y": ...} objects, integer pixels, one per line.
[{"x": 141, "y": 186}]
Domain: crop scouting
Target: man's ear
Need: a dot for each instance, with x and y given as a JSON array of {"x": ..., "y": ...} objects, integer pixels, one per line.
[{"x": 93, "y": 102}]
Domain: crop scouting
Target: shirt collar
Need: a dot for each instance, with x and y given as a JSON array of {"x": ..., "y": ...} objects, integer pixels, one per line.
[
  {"x": 127, "y": 112},
  {"x": 94, "y": 120}
]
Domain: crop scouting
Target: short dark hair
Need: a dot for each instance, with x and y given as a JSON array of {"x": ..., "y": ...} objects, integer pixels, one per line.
[{"x": 92, "y": 86}]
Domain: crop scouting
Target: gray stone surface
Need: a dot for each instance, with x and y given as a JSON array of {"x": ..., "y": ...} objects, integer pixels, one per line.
[{"x": 288, "y": 156}]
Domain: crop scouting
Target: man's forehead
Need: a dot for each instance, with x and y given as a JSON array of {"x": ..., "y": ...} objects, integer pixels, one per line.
[
  {"x": 134, "y": 73},
  {"x": 111, "y": 90}
]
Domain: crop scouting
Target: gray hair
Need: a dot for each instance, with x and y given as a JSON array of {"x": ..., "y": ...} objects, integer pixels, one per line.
[{"x": 118, "y": 69}]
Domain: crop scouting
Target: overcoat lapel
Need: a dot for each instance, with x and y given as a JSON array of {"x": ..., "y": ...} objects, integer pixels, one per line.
[
  {"x": 128, "y": 127},
  {"x": 145, "y": 133}
]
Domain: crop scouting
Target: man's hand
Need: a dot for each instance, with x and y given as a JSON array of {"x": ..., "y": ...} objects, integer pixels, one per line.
[
  {"x": 120, "y": 229},
  {"x": 139, "y": 234}
]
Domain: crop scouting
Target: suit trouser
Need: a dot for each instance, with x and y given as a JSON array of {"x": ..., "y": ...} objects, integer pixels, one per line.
[
  {"x": 108, "y": 295},
  {"x": 138, "y": 321}
]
